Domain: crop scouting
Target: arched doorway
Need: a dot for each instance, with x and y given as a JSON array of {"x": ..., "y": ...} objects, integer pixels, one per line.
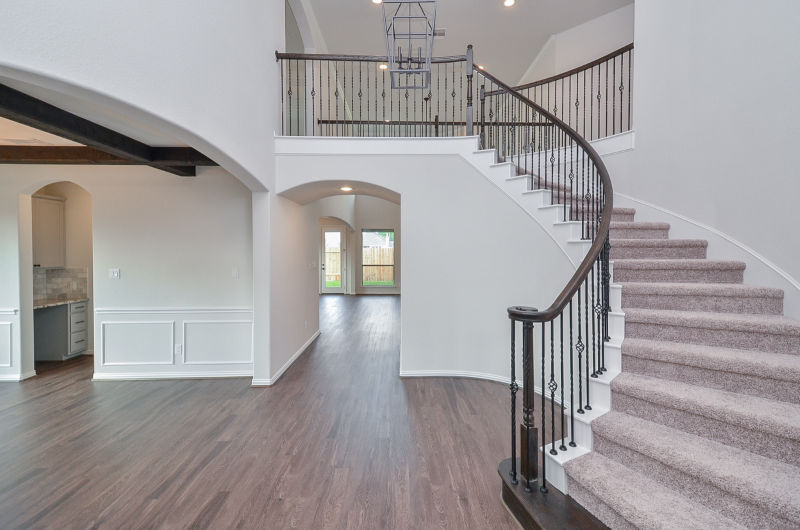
[{"x": 59, "y": 255}]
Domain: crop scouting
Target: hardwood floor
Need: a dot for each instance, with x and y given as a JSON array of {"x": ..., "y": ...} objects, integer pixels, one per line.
[{"x": 339, "y": 442}]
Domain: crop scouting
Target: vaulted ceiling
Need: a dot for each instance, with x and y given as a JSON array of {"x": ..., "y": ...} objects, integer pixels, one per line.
[{"x": 506, "y": 40}]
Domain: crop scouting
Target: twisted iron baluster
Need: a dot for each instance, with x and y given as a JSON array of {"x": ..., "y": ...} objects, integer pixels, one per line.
[{"x": 562, "y": 447}]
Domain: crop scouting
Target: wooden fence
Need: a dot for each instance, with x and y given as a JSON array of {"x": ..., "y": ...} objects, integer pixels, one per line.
[{"x": 377, "y": 265}]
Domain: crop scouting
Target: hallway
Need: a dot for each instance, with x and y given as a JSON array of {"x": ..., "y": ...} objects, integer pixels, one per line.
[{"x": 339, "y": 442}]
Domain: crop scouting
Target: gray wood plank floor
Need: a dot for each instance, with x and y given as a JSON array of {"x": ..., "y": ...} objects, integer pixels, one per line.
[{"x": 339, "y": 442}]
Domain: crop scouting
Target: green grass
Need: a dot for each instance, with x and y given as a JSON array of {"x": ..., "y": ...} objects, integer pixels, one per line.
[
  {"x": 334, "y": 283},
  {"x": 379, "y": 284}
]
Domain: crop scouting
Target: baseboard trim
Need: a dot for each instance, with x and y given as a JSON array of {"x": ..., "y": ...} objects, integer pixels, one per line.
[
  {"x": 127, "y": 376},
  {"x": 455, "y": 373},
  {"x": 272, "y": 380},
  {"x": 15, "y": 378}
]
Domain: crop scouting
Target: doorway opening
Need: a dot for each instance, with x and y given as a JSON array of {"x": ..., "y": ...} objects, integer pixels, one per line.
[
  {"x": 62, "y": 277},
  {"x": 333, "y": 260}
]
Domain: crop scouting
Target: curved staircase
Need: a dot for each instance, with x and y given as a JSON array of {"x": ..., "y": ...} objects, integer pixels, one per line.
[{"x": 704, "y": 427}]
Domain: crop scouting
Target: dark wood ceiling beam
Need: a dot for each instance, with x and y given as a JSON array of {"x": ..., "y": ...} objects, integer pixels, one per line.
[
  {"x": 25, "y": 109},
  {"x": 182, "y": 158}
]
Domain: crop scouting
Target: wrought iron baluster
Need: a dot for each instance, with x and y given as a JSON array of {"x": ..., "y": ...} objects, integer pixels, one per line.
[
  {"x": 552, "y": 386},
  {"x": 283, "y": 119},
  {"x": 572, "y": 379},
  {"x": 562, "y": 447}
]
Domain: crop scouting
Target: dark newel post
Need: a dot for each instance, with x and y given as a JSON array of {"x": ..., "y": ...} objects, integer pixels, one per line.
[
  {"x": 436, "y": 126},
  {"x": 470, "y": 68},
  {"x": 529, "y": 466},
  {"x": 483, "y": 116}
]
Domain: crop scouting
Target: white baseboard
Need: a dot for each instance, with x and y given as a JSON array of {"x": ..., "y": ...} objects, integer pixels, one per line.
[
  {"x": 15, "y": 378},
  {"x": 455, "y": 373},
  {"x": 127, "y": 376},
  {"x": 272, "y": 380}
]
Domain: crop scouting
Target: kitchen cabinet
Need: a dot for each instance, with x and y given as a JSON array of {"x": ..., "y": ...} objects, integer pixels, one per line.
[
  {"x": 49, "y": 231},
  {"x": 60, "y": 330}
]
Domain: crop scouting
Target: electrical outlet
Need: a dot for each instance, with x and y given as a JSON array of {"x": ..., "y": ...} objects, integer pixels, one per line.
[
  {"x": 113, "y": 274},
  {"x": 235, "y": 273},
  {"x": 179, "y": 349}
]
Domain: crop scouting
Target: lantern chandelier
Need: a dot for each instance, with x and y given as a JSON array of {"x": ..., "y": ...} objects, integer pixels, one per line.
[{"x": 409, "y": 26}]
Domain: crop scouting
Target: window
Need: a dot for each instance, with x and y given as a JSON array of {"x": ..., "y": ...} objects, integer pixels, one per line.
[{"x": 377, "y": 258}]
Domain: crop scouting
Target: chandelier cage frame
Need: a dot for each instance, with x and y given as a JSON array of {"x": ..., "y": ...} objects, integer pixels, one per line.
[{"x": 409, "y": 24}]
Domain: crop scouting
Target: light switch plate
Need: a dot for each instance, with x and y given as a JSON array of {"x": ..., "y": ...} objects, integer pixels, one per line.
[{"x": 113, "y": 274}]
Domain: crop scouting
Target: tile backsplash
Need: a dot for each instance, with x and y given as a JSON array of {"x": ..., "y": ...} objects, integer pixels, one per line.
[{"x": 60, "y": 283}]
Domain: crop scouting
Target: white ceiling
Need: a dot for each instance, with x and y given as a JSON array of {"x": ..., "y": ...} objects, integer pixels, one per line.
[
  {"x": 506, "y": 40},
  {"x": 102, "y": 115}
]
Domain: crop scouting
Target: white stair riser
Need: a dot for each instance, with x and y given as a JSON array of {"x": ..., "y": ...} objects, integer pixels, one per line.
[
  {"x": 568, "y": 230},
  {"x": 615, "y": 297}
]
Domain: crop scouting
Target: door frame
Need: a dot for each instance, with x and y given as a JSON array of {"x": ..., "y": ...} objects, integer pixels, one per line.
[{"x": 323, "y": 289}]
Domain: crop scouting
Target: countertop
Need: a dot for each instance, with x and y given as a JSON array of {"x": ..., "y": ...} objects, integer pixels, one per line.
[{"x": 53, "y": 302}]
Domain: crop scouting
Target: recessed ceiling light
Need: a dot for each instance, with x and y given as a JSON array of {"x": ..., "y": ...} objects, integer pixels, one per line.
[
  {"x": 383, "y": 66},
  {"x": 507, "y": 3},
  {"x": 346, "y": 188},
  {"x": 377, "y": 1}
]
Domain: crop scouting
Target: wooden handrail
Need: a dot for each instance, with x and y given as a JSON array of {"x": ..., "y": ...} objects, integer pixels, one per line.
[
  {"x": 360, "y": 58},
  {"x": 529, "y": 314}
]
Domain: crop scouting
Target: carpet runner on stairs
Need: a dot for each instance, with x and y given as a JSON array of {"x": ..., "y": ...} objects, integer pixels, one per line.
[{"x": 704, "y": 430}]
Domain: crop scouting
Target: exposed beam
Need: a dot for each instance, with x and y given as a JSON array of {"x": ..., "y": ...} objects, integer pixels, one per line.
[
  {"x": 34, "y": 154},
  {"x": 25, "y": 109},
  {"x": 181, "y": 157}
]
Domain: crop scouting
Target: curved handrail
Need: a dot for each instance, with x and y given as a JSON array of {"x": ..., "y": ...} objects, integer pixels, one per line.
[
  {"x": 360, "y": 58},
  {"x": 577, "y": 69},
  {"x": 583, "y": 270}
]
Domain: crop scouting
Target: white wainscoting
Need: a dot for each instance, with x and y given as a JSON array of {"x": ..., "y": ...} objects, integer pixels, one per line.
[
  {"x": 6, "y": 344},
  {"x": 173, "y": 343},
  {"x": 10, "y": 369}
]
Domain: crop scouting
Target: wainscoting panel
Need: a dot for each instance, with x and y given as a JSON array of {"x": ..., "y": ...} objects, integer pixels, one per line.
[
  {"x": 6, "y": 344},
  {"x": 136, "y": 343},
  {"x": 173, "y": 343},
  {"x": 217, "y": 342}
]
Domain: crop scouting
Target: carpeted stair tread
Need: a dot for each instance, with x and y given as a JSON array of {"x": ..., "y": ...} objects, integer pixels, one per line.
[
  {"x": 766, "y": 324},
  {"x": 659, "y": 242},
  {"x": 761, "y": 482},
  {"x": 778, "y": 366},
  {"x": 639, "y": 500},
  {"x": 749, "y": 412},
  {"x": 677, "y": 270},
  {"x": 716, "y": 297},
  {"x": 696, "y": 264},
  {"x": 640, "y": 225},
  {"x": 659, "y": 248},
  {"x": 701, "y": 289}
]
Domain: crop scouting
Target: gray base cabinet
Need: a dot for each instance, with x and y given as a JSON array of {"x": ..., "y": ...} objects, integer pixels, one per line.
[{"x": 60, "y": 332}]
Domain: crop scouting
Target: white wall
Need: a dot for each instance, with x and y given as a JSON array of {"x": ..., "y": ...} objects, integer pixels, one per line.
[
  {"x": 582, "y": 44},
  {"x": 454, "y": 318},
  {"x": 203, "y": 73},
  {"x": 176, "y": 242},
  {"x": 294, "y": 293},
  {"x": 716, "y": 117},
  {"x": 78, "y": 234}
]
